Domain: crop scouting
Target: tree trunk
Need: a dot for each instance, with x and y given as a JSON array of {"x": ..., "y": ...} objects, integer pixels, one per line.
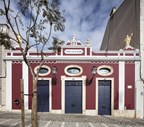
[
  {"x": 34, "y": 104},
  {"x": 22, "y": 103}
]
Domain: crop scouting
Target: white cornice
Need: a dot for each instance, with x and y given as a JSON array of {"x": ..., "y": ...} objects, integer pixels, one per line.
[{"x": 80, "y": 58}]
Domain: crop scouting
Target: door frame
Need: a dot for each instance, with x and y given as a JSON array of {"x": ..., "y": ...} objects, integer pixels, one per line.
[
  {"x": 112, "y": 93},
  {"x": 50, "y": 91},
  {"x": 83, "y": 79}
]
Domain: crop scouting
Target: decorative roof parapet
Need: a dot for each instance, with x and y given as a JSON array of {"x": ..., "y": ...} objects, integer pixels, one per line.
[
  {"x": 74, "y": 42},
  {"x": 88, "y": 43}
]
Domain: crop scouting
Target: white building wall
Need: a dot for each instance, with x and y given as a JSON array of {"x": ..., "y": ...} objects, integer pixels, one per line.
[
  {"x": 142, "y": 43},
  {"x": 9, "y": 86},
  {"x": 138, "y": 92}
]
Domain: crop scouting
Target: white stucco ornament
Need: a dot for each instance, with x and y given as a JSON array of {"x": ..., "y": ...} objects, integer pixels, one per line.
[{"x": 88, "y": 43}]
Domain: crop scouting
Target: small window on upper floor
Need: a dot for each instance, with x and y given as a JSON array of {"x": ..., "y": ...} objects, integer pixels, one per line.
[
  {"x": 73, "y": 70},
  {"x": 105, "y": 70},
  {"x": 43, "y": 71}
]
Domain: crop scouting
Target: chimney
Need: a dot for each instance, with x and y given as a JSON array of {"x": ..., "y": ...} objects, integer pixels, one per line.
[{"x": 112, "y": 11}]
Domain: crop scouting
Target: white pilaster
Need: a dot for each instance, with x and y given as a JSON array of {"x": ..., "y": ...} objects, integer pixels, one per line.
[
  {"x": 25, "y": 78},
  {"x": 9, "y": 86},
  {"x": 121, "y": 85},
  {"x": 142, "y": 44},
  {"x": 138, "y": 92},
  {"x": 142, "y": 37}
]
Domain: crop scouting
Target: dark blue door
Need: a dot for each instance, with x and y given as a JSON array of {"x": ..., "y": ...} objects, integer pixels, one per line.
[
  {"x": 104, "y": 97},
  {"x": 73, "y": 97},
  {"x": 43, "y": 95}
]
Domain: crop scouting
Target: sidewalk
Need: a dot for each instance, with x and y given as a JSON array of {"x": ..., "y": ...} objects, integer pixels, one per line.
[{"x": 75, "y": 118}]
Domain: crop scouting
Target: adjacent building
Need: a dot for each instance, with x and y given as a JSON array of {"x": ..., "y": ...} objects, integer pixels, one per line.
[{"x": 128, "y": 21}]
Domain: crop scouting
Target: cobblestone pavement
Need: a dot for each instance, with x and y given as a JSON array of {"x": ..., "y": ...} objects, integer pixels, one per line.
[{"x": 9, "y": 119}]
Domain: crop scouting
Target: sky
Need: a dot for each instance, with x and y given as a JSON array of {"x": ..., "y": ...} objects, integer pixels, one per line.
[{"x": 86, "y": 19}]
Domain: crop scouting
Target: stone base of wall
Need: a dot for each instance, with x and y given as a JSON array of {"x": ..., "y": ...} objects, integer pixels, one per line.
[
  {"x": 56, "y": 111},
  {"x": 139, "y": 114},
  {"x": 90, "y": 112},
  {"x": 2, "y": 108},
  {"x": 124, "y": 113}
]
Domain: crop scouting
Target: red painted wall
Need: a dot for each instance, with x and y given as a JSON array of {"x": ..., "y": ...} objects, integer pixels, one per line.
[
  {"x": 56, "y": 88},
  {"x": 90, "y": 89},
  {"x": 16, "y": 76},
  {"x": 129, "y": 81}
]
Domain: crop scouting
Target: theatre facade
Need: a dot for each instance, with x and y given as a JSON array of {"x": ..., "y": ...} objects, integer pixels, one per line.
[{"x": 77, "y": 80}]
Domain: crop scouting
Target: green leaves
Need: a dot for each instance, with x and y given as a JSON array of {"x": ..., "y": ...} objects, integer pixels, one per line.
[
  {"x": 5, "y": 40},
  {"x": 57, "y": 44},
  {"x": 55, "y": 18},
  {"x": 34, "y": 21}
]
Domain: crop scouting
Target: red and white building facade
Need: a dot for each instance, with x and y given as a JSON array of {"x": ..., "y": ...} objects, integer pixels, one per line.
[{"x": 75, "y": 88}]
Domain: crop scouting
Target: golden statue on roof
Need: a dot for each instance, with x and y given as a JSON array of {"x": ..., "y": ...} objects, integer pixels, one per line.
[{"x": 128, "y": 39}]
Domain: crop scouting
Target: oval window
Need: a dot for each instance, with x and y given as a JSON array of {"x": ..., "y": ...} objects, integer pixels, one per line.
[
  {"x": 105, "y": 70},
  {"x": 73, "y": 70},
  {"x": 44, "y": 70}
]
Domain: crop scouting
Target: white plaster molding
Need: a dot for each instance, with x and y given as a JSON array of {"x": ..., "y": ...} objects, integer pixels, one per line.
[{"x": 25, "y": 78}]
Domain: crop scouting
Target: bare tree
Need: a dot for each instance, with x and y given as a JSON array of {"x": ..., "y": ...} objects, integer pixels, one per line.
[{"x": 31, "y": 23}]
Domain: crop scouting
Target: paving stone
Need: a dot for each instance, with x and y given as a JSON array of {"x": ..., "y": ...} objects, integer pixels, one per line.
[
  {"x": 72, "y": 120},
  {"x": 70, "y": 124}
]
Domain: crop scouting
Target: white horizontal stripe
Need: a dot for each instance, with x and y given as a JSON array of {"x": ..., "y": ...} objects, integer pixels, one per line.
[
  {"x": 104, "y": 125},
  {"x": 5, "y": 121},
  {"x": 48, "y": 123},
  {"x": 91, "y": 124}
]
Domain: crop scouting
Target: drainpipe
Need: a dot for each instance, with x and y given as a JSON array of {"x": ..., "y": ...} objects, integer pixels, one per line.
[{"x": 142, "y": 46}]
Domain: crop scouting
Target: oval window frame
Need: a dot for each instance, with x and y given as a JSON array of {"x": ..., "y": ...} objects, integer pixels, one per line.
[
  {"x": 105, "y": 67},
  {"x": 43, "y": 66},
  {"x": 73, "y": 66}
]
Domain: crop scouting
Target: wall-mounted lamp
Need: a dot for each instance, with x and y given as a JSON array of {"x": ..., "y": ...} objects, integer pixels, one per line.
[
  {"x": 54, "y": 71},
  {"x": 93, "y": 71}
]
